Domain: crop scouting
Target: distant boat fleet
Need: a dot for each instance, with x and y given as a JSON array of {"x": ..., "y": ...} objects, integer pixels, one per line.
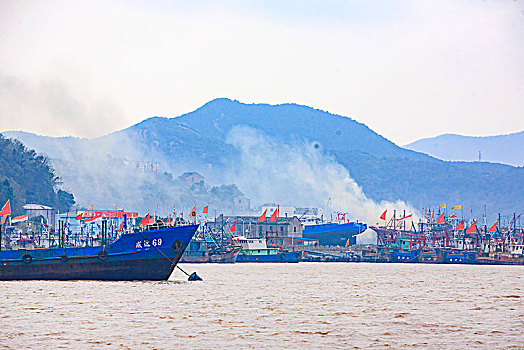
[
  {"x": 115, "y": 245},
  {"x": 444, "y": 239}
]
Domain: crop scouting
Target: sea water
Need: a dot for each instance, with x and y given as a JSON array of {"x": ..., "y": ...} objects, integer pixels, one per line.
[{"x": 305, "y": 305}]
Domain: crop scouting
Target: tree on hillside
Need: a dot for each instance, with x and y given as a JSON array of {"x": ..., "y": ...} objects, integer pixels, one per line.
[{"x": 27, "y": 177}]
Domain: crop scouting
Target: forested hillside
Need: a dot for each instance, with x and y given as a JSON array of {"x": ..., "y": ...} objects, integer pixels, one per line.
[{"x": 26, "y": 177}]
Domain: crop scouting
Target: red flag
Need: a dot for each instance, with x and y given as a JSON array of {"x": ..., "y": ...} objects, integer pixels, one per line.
[
  {"x": 19, "y": 218},
  {"x": 6, "y": 209},
  {"x": 79, "y": 216},
  {"x": 460, "y": 226},
  {"x": 405, "y": 217},
  {"x": 114, "y": 208},
  {"x": 90, "y": 207},
  {"x": 440, "y": 219},
  {"x": 452, "y": 216},
  {"x": 2, "y": 220},
  {"x": 273, "y": 217},
  {"x": 206, "y": 208},
  {"x": 472, "y": 228},
  {"x": 383, "y": 216},
  {"x": 153, "y": 220},
  {"x": 263, "y": 217},
  {"x": 193, "y": 213},
  {"x": 234, "y": 226},
  {"x": 144, "y": 221},
  {"x": 94, "y": 218},
  {"x": 493, "y": 228},
  {"x": 433, "y": 214}
]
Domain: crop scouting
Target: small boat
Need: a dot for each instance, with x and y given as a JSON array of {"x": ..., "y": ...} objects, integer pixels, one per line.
[
  {"x": 150, "y": 253},
  {"x": 256, "y": 250},
  {"x": 212, "y": 246}
]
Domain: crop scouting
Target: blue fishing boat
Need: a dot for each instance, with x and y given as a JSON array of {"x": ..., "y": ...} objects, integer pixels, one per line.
[
  {"x": 150, "y": 253},
  {"x": 405, "y": 256}
]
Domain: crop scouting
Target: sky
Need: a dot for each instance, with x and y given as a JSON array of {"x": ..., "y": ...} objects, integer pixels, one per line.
[{"x": 406, "y": 69}]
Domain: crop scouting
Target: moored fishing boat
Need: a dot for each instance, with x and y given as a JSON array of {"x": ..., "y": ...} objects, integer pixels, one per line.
[
  {"x": 334, "y": 233},
  {"x": 405, "y": 256},
  {"x": 256, "y": 250},
  {"x": 150, "y": 253}
]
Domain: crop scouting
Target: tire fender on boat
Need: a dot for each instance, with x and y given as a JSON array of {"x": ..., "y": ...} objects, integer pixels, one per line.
[
  {"x": 27, "y": 259},
  {"x": 64, "y": 258},
  {"x": 102, "y": 255}
]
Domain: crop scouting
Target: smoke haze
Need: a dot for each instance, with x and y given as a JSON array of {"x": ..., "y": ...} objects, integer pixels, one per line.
[{"x": 299, "y": 173}]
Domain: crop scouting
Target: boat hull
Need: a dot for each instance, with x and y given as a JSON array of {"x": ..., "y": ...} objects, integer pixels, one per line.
[
  {"x": 227, "y": 257},
  {"x": 147, "y": 255},
  {"x": 198, "y": 252},
  {"x": 334, "y": 234},
  {"x": 283, "y": 257}
]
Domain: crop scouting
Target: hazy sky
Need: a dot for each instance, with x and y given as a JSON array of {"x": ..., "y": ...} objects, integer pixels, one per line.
[{"x": 407, "y": 69}]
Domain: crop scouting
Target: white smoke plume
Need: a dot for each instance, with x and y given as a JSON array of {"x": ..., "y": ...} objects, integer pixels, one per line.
[{"x": 300, "y": 173}]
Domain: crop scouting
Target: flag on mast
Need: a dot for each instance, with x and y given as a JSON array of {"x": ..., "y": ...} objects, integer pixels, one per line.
[
  {"x": 233, "y": 227},
  {"x": 457, "y": 206},
  {"x": 205, "y": 210},
  {"x": 493, "y": 228},
  {"x": 6, "y": 209},
  {"x": 19, "y": 218},
  {"x": 443, "y": 206},
  {"x": 383, "y": 216},
  {"x": 192, "y": 215},
  {"x": 144, "y": 221},
  {"x": 460, "y": 226},
  {"x": 472, "y": 228},
  {"x": 440, "y": 219},
  {"x": 273, "y": 217},
  {"x": 262, "y": 218},
  {"x": 404, "y": 217}
]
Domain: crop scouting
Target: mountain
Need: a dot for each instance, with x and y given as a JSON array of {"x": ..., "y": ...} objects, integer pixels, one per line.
[
  {"x": 291, "y": 154},
  {"x": 495, "y": 149},
  {"x": 285, "y": 121}
]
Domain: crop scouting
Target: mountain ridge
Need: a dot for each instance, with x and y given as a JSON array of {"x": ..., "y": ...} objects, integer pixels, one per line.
[
  {"x": 198, "y": 141},
  {"x": 455, "y": 147}
]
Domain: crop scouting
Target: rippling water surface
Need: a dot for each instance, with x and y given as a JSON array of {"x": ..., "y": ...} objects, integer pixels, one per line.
[{"x": 306, "y": 305}]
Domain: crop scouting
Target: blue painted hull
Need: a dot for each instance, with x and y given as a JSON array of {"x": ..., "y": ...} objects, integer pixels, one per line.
[
  {"x": 334, "y": 234},
  {"x": 146, "y": 255},
  {"x": 286, "y": 257},
  {"x": 405, "y": 257}
]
